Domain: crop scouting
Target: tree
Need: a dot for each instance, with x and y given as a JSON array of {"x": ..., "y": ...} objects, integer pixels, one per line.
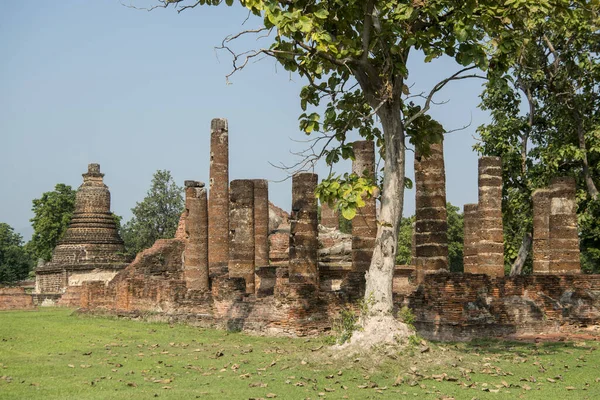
[
  {"x": 556, "y": 76},
  {"x": 156, "y": 217},
  {"x": 52, "y": 214},
  {"x": 15, "y": 263},
  {"x": 354, "y": 57}
]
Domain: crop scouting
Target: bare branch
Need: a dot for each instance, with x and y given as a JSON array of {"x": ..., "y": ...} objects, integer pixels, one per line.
[{"x": 439, "y": 86}]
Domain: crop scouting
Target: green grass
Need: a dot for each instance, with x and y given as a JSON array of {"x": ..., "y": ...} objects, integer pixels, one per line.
[{"x": 53, "y": 354}]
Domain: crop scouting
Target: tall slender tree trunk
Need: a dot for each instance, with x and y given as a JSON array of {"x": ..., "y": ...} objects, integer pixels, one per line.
[
  {"x": 517, "y": 267},
  {"x": 587, "y": 176},
  {"x": 378, "y": 293}
]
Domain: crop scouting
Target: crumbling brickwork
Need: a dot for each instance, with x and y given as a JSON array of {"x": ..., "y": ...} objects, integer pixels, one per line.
[
  {"x": 218, "y": 201},
  {"x": 431, "y": 223},
  {"x": 15, "y": 298},
  {"x": 490, "y": 248},
  {"x": 241, "y": 232},
  {"x": 364, "y": 224},
  {"x": 195, "y": 266},
  {"x": 91, "y": 244},
  {"x": 304, "y": 288},
  {"x": 303, "y": 264}
]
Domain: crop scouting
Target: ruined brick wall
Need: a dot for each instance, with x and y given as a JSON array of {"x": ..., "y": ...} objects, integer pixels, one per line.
[
  {"x": 431, "y": 223},
  {"x": 241, "y": 232},
  {"x": 152, "y": 282},
  {"x": 458, "y": 307},
  {"x": 15, "y": 298},
  {"x": 218, "y": 201}
]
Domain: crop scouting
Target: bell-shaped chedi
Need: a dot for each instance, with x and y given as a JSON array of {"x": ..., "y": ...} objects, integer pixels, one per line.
[{"x": 91, "y": 248}]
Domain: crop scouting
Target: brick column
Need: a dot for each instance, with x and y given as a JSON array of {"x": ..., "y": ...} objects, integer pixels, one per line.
[
  {"x": 470, "y": 238},
  {"x": 431, "y": 222},
  {"x": 218, "y": 202},
  {"x": 304, "y": 231},
  {"x": 329, "y": 217},
  {"x": 541, "y": 231},
  {"x": 563, "y": 238},
  {"x": 364, "y": 224},
  {"x": 195, "y": 265},
  {"x": 241, "y": 232},
  {"x": 261, "y": 222},
  {"x": 490, "y": 249}
]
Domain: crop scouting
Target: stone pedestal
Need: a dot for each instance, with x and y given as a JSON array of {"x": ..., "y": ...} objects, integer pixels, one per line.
[
  {"x": 563, "y": 239},
  {"x": 364, "y": 224},
  {"x": 261, "y": 222},
  {"x": 303, "y": 261},
  {"x": 490, "y": 249},
  {"x": 471, "y": 238},
  {"x": 241, "y": 232},
  {"x": 431, "y": 223},
  {"x": 195, "y": 265},
  {"x": 218, "y": 202}
]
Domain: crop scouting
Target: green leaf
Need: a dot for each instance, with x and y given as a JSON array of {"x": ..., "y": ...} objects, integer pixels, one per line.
[{"x": 349, "y": 213}]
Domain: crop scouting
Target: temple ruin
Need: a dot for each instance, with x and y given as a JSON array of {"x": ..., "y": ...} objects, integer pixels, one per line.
[
  {"x": 91, "y": 248},
  {"x": 239, "y": 262}
]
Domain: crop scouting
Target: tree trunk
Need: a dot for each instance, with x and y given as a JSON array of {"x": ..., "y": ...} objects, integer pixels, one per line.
[
  {"x": 378, "y": 293},
  {"x": 517, "y": 267}
]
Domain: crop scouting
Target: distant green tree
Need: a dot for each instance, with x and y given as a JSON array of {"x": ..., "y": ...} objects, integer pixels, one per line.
[
  {"x": 156, "y": 217},
  {"x": 15, "y": 262},
  {"x": 455, "y": 239},
  {"x": 52, "y": 214},
  {"x": 404, "y": 252}
]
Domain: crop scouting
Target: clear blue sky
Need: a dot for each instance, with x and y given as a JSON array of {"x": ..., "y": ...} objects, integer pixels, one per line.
[{"x": 135, "y": 91}]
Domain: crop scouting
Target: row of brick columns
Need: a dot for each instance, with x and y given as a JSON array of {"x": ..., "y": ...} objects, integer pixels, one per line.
[{"x": 555, "y": 239}]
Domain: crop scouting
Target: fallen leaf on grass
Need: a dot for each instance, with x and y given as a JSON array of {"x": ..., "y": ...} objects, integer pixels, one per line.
[
  {"x": 270, "y": 395},
  {"x": 132, "y": 384}
]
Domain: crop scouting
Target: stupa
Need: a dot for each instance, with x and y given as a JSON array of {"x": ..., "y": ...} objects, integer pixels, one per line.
[{"x": 91, "y": 248}]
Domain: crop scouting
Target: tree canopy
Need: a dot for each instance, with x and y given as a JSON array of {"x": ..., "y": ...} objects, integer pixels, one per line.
[
  {"x": 15, "y": 262},
  {"x": 52, "y": 214},
  {"x": 155, "y": 217}
]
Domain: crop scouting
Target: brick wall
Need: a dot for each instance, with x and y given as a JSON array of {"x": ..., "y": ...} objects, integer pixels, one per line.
[{"x": 15, "y": 298}]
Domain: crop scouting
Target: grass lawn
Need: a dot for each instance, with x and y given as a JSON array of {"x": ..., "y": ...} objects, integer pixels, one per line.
[{"x": 53, "y": 354}]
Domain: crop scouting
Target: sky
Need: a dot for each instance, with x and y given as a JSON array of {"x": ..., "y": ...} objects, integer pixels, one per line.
[{"x": 97, "y": 82}]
